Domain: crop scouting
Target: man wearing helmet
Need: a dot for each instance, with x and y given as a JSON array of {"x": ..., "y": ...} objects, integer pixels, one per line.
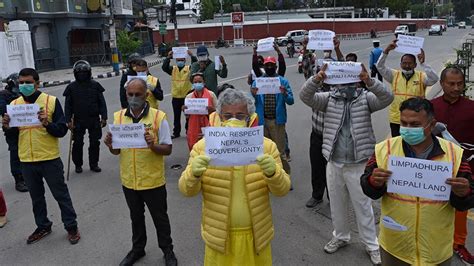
[
  {"x": 130, "y": 71},
  {"x": 85, "y": 109}
]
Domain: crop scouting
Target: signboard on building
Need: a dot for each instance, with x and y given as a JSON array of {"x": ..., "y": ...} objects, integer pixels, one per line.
[{"x": 237, "y": 18}]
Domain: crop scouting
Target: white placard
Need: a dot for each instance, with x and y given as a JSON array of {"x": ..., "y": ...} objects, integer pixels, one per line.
[
  {"x": 180, "y": 52},
  {"x": 228, "y": 146},
  {"x": 217, "y": 62},
  {"x": 321, "y": 40},
  {"x": 129, "y": 136},
  {"x": 22, "y": 115},
  {"x": 338, "y": 72},
  {"x": 129, "y": 78},
  {"x": 419, "y": 178},
  {"x": 409, "y": 44},
  {"x": 268, "y": 85},
  {"x": 196, "y": 106},
  {"x": 265, "y": 45}
]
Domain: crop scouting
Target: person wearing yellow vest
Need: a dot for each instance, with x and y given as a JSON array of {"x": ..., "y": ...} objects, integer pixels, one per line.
[
  {"x": 236, "y": 225},
  {"x": 154, "y": 91},
  {"x": 417, "y": 230},
  {"x": 180, "y": 86},
  {"x": 406, "y": 82},
  {"x": 38, "y": 150},
  {"x": 142, "y": 172}
]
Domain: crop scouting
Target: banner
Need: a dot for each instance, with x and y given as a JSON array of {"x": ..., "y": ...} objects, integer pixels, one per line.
[
  {"x": 342, "y": 72},
  {"x": 129, "y": 136},
  {"x": 268, "y": 85},
  {"x": 321, "y": 40},
  {"x": 23, "y": 115}
]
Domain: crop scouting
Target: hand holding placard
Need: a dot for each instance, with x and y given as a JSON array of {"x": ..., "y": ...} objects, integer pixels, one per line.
[
  {"x": 21, "y": 115},
  {"x": 265, "y": 45},
  {"x": 268, "y": 85},
  {"x": 180, "y": 52},
  {"x": 321, "y": 40},
  {"x": 342, "y": 72},
  {"x": 409, "y": 44},
  {"x": 128, "y": 136}
]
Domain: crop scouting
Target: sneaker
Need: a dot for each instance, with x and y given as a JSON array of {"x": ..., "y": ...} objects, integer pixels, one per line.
[
  {"x": 374, "y": 257},
  {"x": 170, "y": 258},
  {"x": 464, "y": 254},
  {"x": 21, "y": 186},
  {"x": 335, "y": 244},
  {"x": 38, "y": 234},
  {"x": 312, "y": 202},
  {"x": 3, "y": 221},
  {"x": 73, "y": 236}
]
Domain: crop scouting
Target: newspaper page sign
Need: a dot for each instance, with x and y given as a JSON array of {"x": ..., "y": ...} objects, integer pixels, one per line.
[
  {"x": 339, "y": 72},
  {"x": 409, "y": 44},
  {"x": 180, "y": 52},
  {"x": 128, "y": 136},
  {"x": 23, "y": 115},
  {"x": 265, "y": 45},
  {"x": 419, "y": 178},
  {"x": 268, "y": 85},
  {"x": 228, "y": 146},
  {"x": 196, "y": 106},
  {"x": 321, "y": 40}
]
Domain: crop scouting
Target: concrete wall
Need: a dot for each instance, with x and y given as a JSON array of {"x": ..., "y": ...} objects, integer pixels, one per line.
[{"x": 16, "y": 50}]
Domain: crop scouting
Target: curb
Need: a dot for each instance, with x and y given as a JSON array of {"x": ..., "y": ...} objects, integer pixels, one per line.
[{"x": 46, "y": 84}]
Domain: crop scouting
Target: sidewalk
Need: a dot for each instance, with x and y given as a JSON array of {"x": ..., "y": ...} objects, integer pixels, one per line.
[{"x": 66, "y": 76}]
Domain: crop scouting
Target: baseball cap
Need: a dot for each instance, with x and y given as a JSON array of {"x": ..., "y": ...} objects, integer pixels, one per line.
[
  {"x": 201, "y": 50},
  {"x": 270, "y": 59}
]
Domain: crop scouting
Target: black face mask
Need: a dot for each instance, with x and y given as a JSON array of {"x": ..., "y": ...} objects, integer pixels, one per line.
[
  {"x": 82, "y": 76},
  {"x": 270, "y": 71}
]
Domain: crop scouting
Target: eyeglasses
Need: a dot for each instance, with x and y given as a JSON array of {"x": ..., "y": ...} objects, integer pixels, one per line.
[{"x": 239, "y": 116}]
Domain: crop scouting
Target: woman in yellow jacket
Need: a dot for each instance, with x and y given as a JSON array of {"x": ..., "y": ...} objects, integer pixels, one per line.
[{"x": 236, "y": 221}]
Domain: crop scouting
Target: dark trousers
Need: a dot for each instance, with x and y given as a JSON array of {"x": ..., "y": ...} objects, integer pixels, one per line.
[
  {"x": 95, "y": 134},
  {"x": 375, "y": 72},
  {"x": 3, "y": 205},
  {"x": 53, "y": 172},
  {"x": 318, "y": 165},
  {"x": 155, "y": 200},
  {"x": 177, "y": 105},
  {"x": 395, "y": 129},
  {"x": 12, "y": 141}
]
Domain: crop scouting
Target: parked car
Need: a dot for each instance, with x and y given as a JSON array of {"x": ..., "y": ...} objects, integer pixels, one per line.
[
  {"x": 296, "y": 35},
  {"x": 435, "y": 30},
  {"x": 462, "y": 25}
]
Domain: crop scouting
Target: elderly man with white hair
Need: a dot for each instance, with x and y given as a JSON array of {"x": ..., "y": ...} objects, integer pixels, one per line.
[{"x": 237, "y": 222}]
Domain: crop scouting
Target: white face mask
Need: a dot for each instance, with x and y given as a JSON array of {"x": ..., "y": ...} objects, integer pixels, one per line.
[
  {"x": 327, "y": 54},
  {"x": 408, "y": 72},
  {"x": 141, "y": 74},
  {"x": 202, "y": 58}
]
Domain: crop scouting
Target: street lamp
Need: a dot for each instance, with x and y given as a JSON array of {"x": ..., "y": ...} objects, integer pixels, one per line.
[
  {"x": 222, "y": 20},
  {"x": 334, "y": 17},
  {"x": 268, "y": 20}
]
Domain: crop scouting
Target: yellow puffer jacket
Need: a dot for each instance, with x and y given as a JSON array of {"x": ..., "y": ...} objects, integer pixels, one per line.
[{"x": 215, "y": 185}]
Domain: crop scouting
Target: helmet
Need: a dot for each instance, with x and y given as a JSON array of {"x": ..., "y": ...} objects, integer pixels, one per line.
[
  {"x": 133, "y": 57},
  {"x": 12, "y": 82},
  {"x": 82, "y": 66}
]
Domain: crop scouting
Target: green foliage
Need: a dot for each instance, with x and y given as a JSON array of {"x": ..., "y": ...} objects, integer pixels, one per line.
[
  {"x": 127, "y": 43},
  {"x": 462, "y": 9}
]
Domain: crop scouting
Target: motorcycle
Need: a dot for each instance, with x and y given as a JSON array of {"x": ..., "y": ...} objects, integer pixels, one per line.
[
  {"x": 221, "y": 43},
  {"x": 300, "y": 63},
  {"x": 290, "y": 49}
]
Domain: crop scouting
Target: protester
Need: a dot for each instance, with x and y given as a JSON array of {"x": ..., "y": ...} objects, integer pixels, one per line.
[
  {"x": 3, "y": 210},
  {"x": 271, "y": 109},
  {"x": 348, "y": 141},
  {"x": 38, "y": 150},
  {"x": 7, "y": 95},
  {"x": 455, "y": 111},
  {"x": 85, "y": 109},
  {"x": 208, "y": 68},
  {"x": 351, "y": 57},
  {"x": 142, "y": 172},
  {"x": 236, "y": 222},
  {"x": 129, "y": 72},
  {"x": 258, "y": 67},
  {"x": 373, "y": 58},
  {"x": 417, "y": 230},
  {"x": 406, "y": 82},
  {"x": 197, "y": 122},
  {"x": 154, "y": 91},
  {"x": 180, "y": 86}
]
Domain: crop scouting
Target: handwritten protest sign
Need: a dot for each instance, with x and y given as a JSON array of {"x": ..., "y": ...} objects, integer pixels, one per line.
[
  {"x": 217, "y": 62},
  {"x": 229, "y": 146},
  {"x": 268, "y": 85},
  {"x": 265, "y": 45},
  {"x": 180, "y": 52},
  {"x": 321, "y": 40},
  {"x": 129, "y": 78},
  {"x": 409, "y": 44},
  {"x": 23, "y": 115},
  {"x": 419, "y": 178},
  {"x": 342, "y": 72},
  {"x": 196, "y": 106},
  {"x": 128, "y": 136}
]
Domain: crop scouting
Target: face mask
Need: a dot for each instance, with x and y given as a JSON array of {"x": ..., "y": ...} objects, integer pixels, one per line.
[
  {"x": 270, "y": 71},
  {"x": 180, "y": 63},
  {"x": 27, "y": 89},
  {"x": 142, "y": 74},
  {"x": 408, "y": 72},
  {"x": 412, "y": 135},
  {"x": 203, "y": 58},
  {"x": 348, "y": 92},
  {"x": 327, "y": 54},
  {"x": 198, "y": 86},
  {"x": 82, "y": 76},
  {"x": 135, "y": 102},
  {"x": 234, "y": 122}
]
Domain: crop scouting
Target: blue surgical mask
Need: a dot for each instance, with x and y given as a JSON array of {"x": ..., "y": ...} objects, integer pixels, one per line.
[
  {"x": 198, "y": 86},
  {"x": 27, "y": 89},
  {"x": 142, "y": 74},
  {"x": 180, "y": 63},
  {"x": 412, "y": 135}
]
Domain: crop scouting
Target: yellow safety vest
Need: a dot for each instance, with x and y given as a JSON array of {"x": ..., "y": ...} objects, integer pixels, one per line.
[
  {"x": 215, "y": 120},
  {"x": 150, "y": 98},
  {"x": 35, "y": 144},
  {"x": 142, "y": 169},
  {"x": 428, "y": 239},
  {"x": 403, "y": 89},
  {"x": 180, "y": 83}
]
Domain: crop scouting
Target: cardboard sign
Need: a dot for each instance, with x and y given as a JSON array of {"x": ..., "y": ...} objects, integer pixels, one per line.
[
  {"x": 229, "y": 146},
  {"x": 268, "y": 85},
  {"x": 342, "y": 72},
  {"x": 180, "y": 52},
  {"x": 409, "y": 44},
  {"x": 196, "y": 106},
  {"x": 129, "y": 136},
  {"x": 265, "y": 45},
  {"x": 419, "y": 178},
  {"x": 217, "y": 62},
  {"x": 23, "y": 115},
  {"x": 321, "y": 40}
]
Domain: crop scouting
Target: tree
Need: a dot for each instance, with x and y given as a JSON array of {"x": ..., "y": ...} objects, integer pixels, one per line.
[
  {"x": 127, "y": 43},
  {"x": 462, "y": 9},
  {"x": 397, "y": 7}
]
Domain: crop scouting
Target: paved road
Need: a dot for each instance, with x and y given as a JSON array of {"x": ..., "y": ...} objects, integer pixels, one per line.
[{"x": 103, "y": 216}]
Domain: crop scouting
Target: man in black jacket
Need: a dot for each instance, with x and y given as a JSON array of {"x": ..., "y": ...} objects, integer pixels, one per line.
[{"x": 85, "y": 109}]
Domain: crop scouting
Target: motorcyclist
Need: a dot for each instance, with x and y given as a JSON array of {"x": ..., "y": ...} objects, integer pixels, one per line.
[{"x": 290, "y": 47}]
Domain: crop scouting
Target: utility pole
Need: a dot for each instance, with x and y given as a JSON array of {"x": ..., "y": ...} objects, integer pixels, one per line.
[
  {"x": 113, "y": 38},
  {"x": 222, "y": 19},
  {"x": 268, "y": 20},
  {"x": 174, "y": 20},
  {"x": 334, "y": 17}
]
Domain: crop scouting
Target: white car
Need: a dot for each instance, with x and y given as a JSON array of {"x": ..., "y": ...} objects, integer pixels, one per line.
[
  {"x": 296, "y": 35},
  {"x": 462, "y": 25}
]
